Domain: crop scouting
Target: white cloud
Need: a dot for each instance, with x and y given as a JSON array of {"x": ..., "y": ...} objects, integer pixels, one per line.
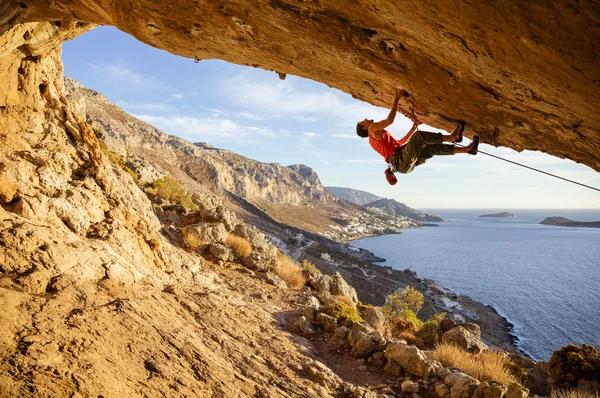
[
  {"x": 121, "y": 73},
  {"x": 346, "y": 136},
  {"x": 363, "y": 161},
  {"x": 263, "y": 131},
  {"x": 251, "y": 116},
  {"x": 310, "y": 134},
  {"x": 192, "y": 128},
  {"x": 176, "y": 96},
  {"x": 305, "y": 118},
  {"x": 154, "y": 107}
]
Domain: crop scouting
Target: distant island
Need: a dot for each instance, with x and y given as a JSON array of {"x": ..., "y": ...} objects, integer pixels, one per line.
[
  {"x": 504, "y": 214},
  {"x": 565, "y": 222}
]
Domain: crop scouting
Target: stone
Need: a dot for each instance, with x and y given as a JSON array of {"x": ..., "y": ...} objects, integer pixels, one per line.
[
  {"x": 274, "y": 280},
  {"x": 198, "y": 236},
  {"x": 221, "y": 252},
  {"x": 442, "y": 390},
  {"x": 339, "y": 287},
  {"x": 409, "y": 387},
  {"x": 540, "y": 382},
  {"x": 392, "y": 367},
  {"x": 375, "y": 317},
  {"x": 489, "y": 389},
  {"x": 262, "y": 262},
  {"x": 340, "y": 332},
  {"x": 447, "y": 324},
  {"x": 326, "y": 298},
  {"x": 310, "y": 313},
  {"x": 252, "y": 235},
  {"x": 363, "y": 347},
  {"x": 461, "y": 385},
  {"x": 222, "y": 215},
  {"x": 355, "y": 332},
  {"x": 312, "y": 301},
  {"x": 328, "y": 322},
  {"x": 515, "y": 390},
  {"x": 410, "y": 358},
  {"x": 465, "y": 338},
  {"x": 304, "y": 326},
  {"x": 472, "y": 327},
  {"x": 321, "y": 374}
]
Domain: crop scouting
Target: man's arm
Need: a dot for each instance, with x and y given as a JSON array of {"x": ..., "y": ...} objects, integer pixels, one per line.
[
  {"x": 376, "y": 129},
  {"x": 412, "y": 130}
]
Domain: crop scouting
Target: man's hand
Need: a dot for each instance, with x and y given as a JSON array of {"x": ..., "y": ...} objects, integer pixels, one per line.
[{"x": 399, "y": 94}]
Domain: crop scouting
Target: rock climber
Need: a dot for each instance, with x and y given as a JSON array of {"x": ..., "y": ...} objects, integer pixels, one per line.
[{"x": 415, "y": 147}]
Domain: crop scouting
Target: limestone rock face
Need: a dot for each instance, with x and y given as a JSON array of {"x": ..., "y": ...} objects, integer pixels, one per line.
[
  {"x": 520, "y": 75},
  {"x": 467, "y": 338}
]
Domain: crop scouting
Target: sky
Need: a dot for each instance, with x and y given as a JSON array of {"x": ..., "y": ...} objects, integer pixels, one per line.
[{"x": 255, "y": 114}]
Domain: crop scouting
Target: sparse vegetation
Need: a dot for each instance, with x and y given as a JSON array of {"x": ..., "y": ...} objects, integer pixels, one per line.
[
  {"x": 409, "y": 299},
  {"x": 411, "y": 339},
  {"x": 489, "y": 365},
  {"x": 170, "y": 189},
  {"x": 193, "y": 241},
  {"x": 290, "y": 272},
  {"x": 310, "y": 267},
  {"x": 342, "y": 311},
  {"x": 363, "y": 307},
  {"x": 575, "y": 393},
  {"x": 240, "y": 245},
  {"x": 118, "y": 161},
  {"x": 345, "y": 299}
]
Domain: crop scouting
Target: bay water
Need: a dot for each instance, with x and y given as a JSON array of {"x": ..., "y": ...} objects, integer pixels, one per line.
[{"x": 544, "y": 279}]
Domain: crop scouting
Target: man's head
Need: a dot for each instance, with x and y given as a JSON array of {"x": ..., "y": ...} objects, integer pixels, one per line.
[{"x": 362, "y": 128}]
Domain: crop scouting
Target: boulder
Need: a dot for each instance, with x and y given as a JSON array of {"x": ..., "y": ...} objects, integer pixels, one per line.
[
  {"x": 447, "y": 324},
  {"x": 461, "y": 385},
  {"x": 310, "y": 313},
  {"x": 363, "y": 347},
  {"x": 326, "y": 298},
  {"x": 375, "y": 317},
  {"x": 338, "y": 286},
  {"x": 393, "y": 368},
  {"x": 409, "y": 387},
  {"x": 473, "y": 327},
  {"x": 252, "y": 235},
  {"x": 321, "y": 374},
  {"x": 328, "y": 322},
  {"x": 259, "y": 261},
  {"x": 442, "y": 390},
  {"x": 198, "y": 236},
  {"x": 515, "y": 390},
  {"x": 222, "y": 215},
  {"x": 274, "y": 280},
  {"x": 540, "y": 381},
  {"x": 340, "y": 332},
  {"x": 221, "y": 252},
  {"x": 489, "y": 389},
  {"x": 355, "y": 332},
  {"x": 410, "y": 358},
  {"x": 304, "y": 326},
  {"x": 465, "y": 338}
]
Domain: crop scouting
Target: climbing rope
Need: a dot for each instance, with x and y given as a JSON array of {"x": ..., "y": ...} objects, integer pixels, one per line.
[{"x": 534, "y": 169}]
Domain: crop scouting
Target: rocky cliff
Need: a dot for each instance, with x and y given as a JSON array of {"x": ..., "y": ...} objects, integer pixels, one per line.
[
  {"x": 392, "y": 206},
  {"x": 353, "y": 195},
  {"x": 521, "y": 75}
]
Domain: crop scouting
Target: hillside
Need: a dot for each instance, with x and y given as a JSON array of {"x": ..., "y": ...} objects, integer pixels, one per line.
[
  {"x": 391, "y": 206},
  {"x": 353, "y": 195}
]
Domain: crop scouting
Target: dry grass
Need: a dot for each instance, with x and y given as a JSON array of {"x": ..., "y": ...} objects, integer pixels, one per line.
[
  {"x": 576, "y": 393},
  {"x": 488, "y": 365},
  {"x": 290, "y": 272},
  {"x": 193, "y": 241},
  {"x": 345, "y": 299},
  {"x": 411, "y": 339},
  {"x": 240, "y": 245}
]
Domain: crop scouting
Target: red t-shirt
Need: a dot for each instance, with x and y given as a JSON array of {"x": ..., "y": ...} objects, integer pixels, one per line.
[{"x": 385, "y": 146}]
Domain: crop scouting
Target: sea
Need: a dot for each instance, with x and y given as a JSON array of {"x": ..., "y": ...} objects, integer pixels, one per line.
[{"x": 544, "y": 279}]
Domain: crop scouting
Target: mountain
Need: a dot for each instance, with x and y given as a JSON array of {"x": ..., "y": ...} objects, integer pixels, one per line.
[
  {"x": 565, "y": 222},
  {"x": 392, "y": 206},
  {"x": 353, "y": 195},
  {"x": 503, "y": 214}
]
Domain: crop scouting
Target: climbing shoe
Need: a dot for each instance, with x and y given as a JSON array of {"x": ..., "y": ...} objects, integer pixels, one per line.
[
  {"x": 390, "y": 177},
  {"x": 461, "y": 129},
  {"x": 475, "y": 148}
]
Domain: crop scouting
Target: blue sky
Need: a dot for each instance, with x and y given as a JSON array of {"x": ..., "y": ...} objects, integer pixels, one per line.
[{"x": 254, "y": 113}]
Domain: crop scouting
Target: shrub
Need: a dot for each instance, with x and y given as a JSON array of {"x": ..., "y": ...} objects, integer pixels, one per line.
[
  {"x": 410, "y": 299},
  {"x": 408, "y": 321},
  {"x": 488, "y": 365},
  {"x": 342, "y": 311},
  {"x": 571, "y": 363},
  {"x": 170, "y": 189},
  {"x": 345, "y": 299},
  {"x": 118, "y": 161},
  {"x": 240, "y": 245},
  {"x": 429, "y": 332},
  {"x": 290, "y": 272},
  {"x": 310, "y": 267},
  {"x": 363, "y": 307}
]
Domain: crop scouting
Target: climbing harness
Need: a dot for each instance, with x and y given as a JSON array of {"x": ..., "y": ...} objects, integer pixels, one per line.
[{"x": 534, "y": 169}]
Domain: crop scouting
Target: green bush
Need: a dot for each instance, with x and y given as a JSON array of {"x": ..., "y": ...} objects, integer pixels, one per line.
[
  {"x": 429, "y": 332},
  {"x": 310, "y": 267},
  {"x": 571, "y": 363},
  {"x": 410, "y": 299},
  {"x": 170, "y": 189},
  {"x": 342, "y": 311}
]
